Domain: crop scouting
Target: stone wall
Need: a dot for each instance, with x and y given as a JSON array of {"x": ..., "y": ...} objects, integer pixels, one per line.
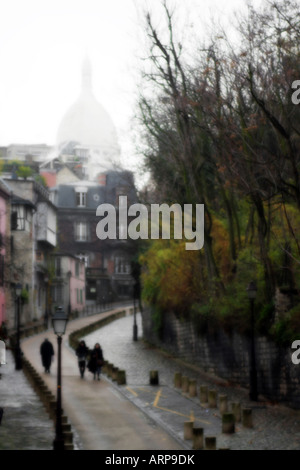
[{"x": 227, "y": 356}]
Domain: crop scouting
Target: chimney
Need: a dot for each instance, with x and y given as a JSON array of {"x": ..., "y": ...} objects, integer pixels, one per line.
[{"x": 101, "y": 178}]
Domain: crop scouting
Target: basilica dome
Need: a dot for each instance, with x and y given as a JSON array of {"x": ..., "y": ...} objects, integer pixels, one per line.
[{"x": 87, "y": 123}]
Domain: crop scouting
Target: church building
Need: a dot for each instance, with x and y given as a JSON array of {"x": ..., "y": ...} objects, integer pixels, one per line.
[{"x": 82, "y": 173}]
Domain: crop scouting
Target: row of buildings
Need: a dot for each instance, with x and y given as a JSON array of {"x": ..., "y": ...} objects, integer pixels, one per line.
[
  {"x": 48, "y": 201},
  {"x": 49, "y": 245}
]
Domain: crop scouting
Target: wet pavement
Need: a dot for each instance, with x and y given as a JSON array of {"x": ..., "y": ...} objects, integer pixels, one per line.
[
  {"x": 275, "y": 427},
  {"x": 101, "y": 418},
  {"x": 25, "y": 423},
  {"x": 149, "y": 413}
]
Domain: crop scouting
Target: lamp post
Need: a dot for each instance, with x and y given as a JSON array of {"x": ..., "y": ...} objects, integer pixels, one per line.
[
  {"x": 18, "y": 357},
  {"x": 59, "y": 322},
  {"x": 69, "y": 274},
  {"x": 46, "y": 280},
  {"x": 252, "y": 291},
  {"x": 135, "y": 327}
]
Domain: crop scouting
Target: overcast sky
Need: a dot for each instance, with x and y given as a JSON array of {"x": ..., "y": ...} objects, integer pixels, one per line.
[{"x": 42, "y": 45}]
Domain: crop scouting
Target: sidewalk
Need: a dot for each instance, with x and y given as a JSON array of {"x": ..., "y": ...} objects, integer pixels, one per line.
[
  {"x": 135, "y": 416},
  {"x": 101, "y": 417}
]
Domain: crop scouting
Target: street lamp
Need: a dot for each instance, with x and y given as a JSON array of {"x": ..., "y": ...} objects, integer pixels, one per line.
[
  {"x": 18, "y": 357},
  {"x": 69, "y": 274},
  {"x": 46, "y": 280},
  {"x": 59, "y": 322},
  {"x": 252, "y": 291},
  {"x": 135, "y": 327}
]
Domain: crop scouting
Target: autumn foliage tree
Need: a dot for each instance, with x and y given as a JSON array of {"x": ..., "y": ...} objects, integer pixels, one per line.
[{"x": 219, "y": 128}]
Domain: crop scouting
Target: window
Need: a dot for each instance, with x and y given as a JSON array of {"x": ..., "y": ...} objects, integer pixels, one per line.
[
  {"x": 81, "y": 199},
  {"x": 21, "y": 218},
  {"x": 84, "y": 258},
  {"x": 122, "y": 266},
  {"x": 79, "y": 296},
  {"x": 57, "y": 294},
  {"x": 39, "y": 256},
  {"x": 81, "y": 152},
  {"x": 57, "y": 264},
  {"x": 40, "y": 292},
  {"x": 81, "y": 192},
  {"x": 77, "y": 268},
  {"x": 81, "y": 231}
]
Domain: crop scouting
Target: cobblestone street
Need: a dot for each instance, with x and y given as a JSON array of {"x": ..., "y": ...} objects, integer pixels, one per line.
[
  {"x": 26, "y": 425},
  {"x": 275, "y": 427}
]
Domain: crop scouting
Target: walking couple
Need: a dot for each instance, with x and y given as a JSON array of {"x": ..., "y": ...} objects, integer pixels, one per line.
[{"x": 92, "y": 359}]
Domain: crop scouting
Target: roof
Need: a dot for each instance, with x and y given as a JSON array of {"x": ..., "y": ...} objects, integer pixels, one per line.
[
  {"x": 67, "y": 255},
  {"x": 16, "y": 200},
  {"x": 65, "y": 196},
  {"x": 50, "y": 178},
  {"x": 5, "y": 188}
]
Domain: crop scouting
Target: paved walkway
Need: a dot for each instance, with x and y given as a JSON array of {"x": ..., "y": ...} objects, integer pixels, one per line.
[
  {"x": 275, "y": 427},
  {"x": 136, "y": 416},
  {"x": 101, "y": 417}
]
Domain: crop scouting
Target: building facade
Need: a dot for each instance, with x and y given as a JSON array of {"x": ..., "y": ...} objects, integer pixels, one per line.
[
  {"x": 32, "y": 240},
  {"x": 107, "y": 262},
  {"x": 4, "y": 251},
  {"x": 67, "y": 283}
]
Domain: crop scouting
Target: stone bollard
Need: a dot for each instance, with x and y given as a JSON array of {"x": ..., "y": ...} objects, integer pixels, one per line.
[
  {"x": 247, "y": 418},
  {"x": 43, "y": 390},
  {"x": 185, "y": 384},
  {"x": 188, "y": 430},
  {"x": 212, "y": 398},
  {"x": 107, "y": 365},
  {"x": 104, "y": 367},
  {"x": 203, "y": 394},
  {"x": 236, "y": 410},
  {"x": 37, "y": 379},
  {"x": 154, "y": 377},
  {"x": 177, "y": 379},
  {"x": 109, "y": 369},
  {"x": 223, "y": 405},
  {"x": 210, "y": 443},
  {"x": 69, "y": 446},
  {"x": 121, "y": 377},
  {"x": 47, "y": 398},
  {"x": 193, "y": 388},
  {"x": 197, "y": 438},
  {"x": 68, "y": 437},
  {"x": 52, "y": 408},
  {"x": 66, "y": 427},
  {"x": 228, "y": 426},
  {"x": 114, "y": 373}
]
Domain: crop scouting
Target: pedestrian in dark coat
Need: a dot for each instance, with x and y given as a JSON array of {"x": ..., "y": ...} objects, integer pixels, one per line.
[
  {"x": 96, "y": 361},
  {"x": 82, "y": 352},
  {"x": 47, "y": 352}
]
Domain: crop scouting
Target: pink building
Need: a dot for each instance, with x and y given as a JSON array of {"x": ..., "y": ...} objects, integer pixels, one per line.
[
  {"x": 4, "y": 252},
  {"x": 68, "y": 284}
]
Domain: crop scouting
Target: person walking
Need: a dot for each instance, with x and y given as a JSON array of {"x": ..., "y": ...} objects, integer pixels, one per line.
[
  {"x": 47, "y": 353},
  {"x": 82, "y": 352},
  {"x": 96, "y": 361}
]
